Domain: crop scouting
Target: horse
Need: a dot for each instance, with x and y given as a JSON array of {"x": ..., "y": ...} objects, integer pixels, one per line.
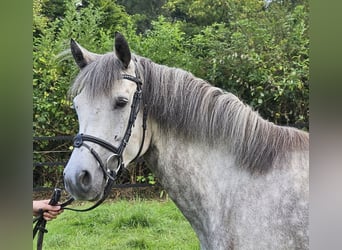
[{"x": 240, "y": 180}]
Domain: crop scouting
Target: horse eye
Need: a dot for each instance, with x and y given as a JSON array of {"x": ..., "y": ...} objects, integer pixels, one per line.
[{"x": 121, "y": 102}]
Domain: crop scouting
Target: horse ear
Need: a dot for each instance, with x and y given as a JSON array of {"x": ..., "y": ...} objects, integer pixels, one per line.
[
  {"x": 122, "y": 50},
  {"x": 82, "y": 56}
]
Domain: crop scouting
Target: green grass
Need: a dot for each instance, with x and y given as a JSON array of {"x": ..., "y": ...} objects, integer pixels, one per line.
[{"x": 122, "y": 225}]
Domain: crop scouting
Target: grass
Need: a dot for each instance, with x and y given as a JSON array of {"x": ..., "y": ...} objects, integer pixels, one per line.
[{"x": 138, "y": 224}]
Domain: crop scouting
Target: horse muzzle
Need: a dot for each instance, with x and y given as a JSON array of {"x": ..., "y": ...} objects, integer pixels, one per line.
[{"x": 83, "y": 183}]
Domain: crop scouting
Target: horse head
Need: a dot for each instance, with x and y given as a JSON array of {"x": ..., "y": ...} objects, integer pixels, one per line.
[{"x": 107, "y": 99}]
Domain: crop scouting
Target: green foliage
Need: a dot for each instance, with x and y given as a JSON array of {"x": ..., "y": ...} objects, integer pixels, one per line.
[
  {"x": 143, "y": 12},
  {"x": 113, "y": 17},
  {"x": 206, "y": 12},
  {"x": 150, "y": 179},
  {"x": 39, "y": 20},
  {"x": 263, "y": 60},
  {"x": 165, "y": 43}
]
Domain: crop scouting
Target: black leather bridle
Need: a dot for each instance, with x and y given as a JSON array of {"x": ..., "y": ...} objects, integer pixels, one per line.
[{"x": 109, "y": 173}]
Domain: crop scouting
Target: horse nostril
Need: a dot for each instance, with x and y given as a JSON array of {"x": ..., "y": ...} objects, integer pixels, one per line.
[{"x": 85, "y": 179}]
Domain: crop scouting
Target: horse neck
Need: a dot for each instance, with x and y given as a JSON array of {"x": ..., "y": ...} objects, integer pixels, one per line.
[
  {"x": 172, "y": 155},
  {"x": 197, "y": 177},
  {"x": 190, "y": 108}
]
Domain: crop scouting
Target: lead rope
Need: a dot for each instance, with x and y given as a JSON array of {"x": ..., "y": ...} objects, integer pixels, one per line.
[{"x": 41, "y": 222}]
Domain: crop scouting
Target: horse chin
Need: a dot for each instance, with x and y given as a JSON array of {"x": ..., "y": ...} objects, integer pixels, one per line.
[
  {"x": 97, "y": 197},
  {"x": 94, "y": 193},
  {"x": 87, "y": 197}
]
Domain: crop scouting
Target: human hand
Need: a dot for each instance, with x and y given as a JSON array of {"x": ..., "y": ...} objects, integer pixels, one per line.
[{"x": 50, "y": 212}]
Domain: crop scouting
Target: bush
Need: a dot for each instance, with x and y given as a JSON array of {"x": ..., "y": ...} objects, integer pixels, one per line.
[{"x": 263, "y": 61}]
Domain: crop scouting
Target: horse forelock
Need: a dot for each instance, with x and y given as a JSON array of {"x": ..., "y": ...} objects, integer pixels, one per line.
[
  {"x": 190, "y": 106},
  {"x": 98, "y": 77}
]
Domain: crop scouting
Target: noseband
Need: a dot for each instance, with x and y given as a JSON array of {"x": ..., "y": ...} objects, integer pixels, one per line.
[{"x": 111, "y": 173}]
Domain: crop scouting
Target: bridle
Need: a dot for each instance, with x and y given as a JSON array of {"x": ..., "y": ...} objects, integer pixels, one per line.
[{"x": 111, "y": 173}]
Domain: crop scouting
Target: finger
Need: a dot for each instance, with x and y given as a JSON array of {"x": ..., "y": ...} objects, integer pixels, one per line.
[
  {"x": 54, "y": 213},
  {"x": 53, "y": 208},
  {"x": 49, "y": 216}
]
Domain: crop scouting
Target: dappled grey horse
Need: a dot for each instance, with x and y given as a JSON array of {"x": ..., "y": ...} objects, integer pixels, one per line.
[{"x": 241, "y": 181}]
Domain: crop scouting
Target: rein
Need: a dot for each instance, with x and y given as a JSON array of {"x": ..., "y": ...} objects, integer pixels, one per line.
[{"x": 109, "y": 174}]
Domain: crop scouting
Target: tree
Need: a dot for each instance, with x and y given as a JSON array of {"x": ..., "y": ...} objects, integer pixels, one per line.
[
  {"x": 143, "y": 12},
  {"x": 39, "y": 20}
]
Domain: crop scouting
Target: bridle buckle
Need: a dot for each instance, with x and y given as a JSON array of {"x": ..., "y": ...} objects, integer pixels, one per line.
[{"x": 78, "y": 141}]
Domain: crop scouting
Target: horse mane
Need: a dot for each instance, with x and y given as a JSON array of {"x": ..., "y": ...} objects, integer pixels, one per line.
[{"x": 180, "y": 102}]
